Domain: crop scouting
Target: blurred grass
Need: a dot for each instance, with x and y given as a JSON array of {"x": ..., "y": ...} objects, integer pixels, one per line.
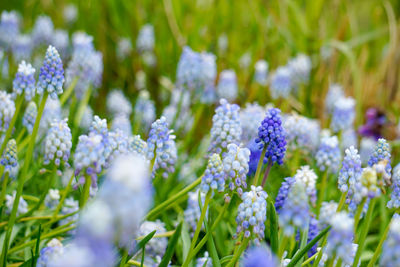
[{"x": 361, "y": 35}]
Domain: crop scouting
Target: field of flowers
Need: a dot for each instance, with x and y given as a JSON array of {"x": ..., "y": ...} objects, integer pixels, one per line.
[{"x": 199, "y": 133}]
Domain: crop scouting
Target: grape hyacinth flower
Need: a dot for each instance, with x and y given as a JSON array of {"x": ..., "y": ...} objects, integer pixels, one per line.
[
  {"x": 70, "y": 13},
  {"x": 214, "y": 177},
  {"x": 121, "y": 122},
  {"x": 9, "y": 28},
  {"x": 252, "y": 213},
  {"x": 255, "y": 154},
  {"x": 367, "y": 147},
  {"x": 22, "y": 205},
  {"x": 281, "y": 83},
  {"x": 308, "y": 177},
  {"x": 51, "y": 76},
  {"x": 10, "y": 158},
  {"x": 60, "y": 41},
  {"x": 226, "y": 128},
  {"x": 50, "y": 253},
  {"x": 261, "y": 72},
  {"x": 52, "y": 198},
  {"x": 301, "y": 133},
  {"x": 236, "y": 167},
  {"x": 313, "y": 231},
  {"x": 381, "y": 152},
  {"x": 349, "y": 138},
  {"x": 58, "y": 143},
  {"x": 156, "y": 247},
  {"x": 283, "y": 193},
  {"x": 145, "y": 110},
  {"x": 42, "y": 30},
  {"x": 259, "y": 256},
  {"x": 227, "y": 85},
  {"x": 340, "y": 238},
  {"x": 390, "y": 256},
  {"x": 145, "y": 40},
  {"x": 300, "y": 69},
  {"x": 7, "y": 109},
  {"x": 118, "y": 104},
  {"x": 351, "y": 170},
  {"x": 250, "y": 119},
  {"x": 87, "y": 118},
  {"x": 22, "y": 47},
  {"x": 328, "y": 155},
  {"x": 328, "y": 209},
  {"x": 24, "y": 81},
  {"x": 271, "y": 137},
  {"x": 136, "y": 144},
  {"x": 89, "y": 157},
  {"x": 294, "y": 213},
  {"x": 197, "y": 72},
  {"x": 394, "y": 201},
  {"x": 159, "y": 135},
  {"x": 124, "y": 48},
  {"x": 343, "y": 114},
  {"x": 166, "y": 158},
  {"x": 335, "y": 93},
  {"x": 376, "y": 122}
]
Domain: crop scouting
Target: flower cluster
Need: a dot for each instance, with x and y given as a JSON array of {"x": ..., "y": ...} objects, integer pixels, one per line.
[
  {"x": 145, "y": 110},
  {"x": 261, "y": 72},
  {"x": 252, "y": 213},
  {"x": 227, "y": 85},
  {"x": 22, "y": 205},
  {"x": 281, "y": 83},
  {"x": 271, "y": 136},
  {"x": 214, "y": 176},
  {"x": 250, "y": 118},
  {"x": 340, "y": 238},
  {"x": 283, "y": 193},
  {"x": 328, "y": 155},
  {"x": 308, "y": 177},
  {"x": 51, "y": 76},
  {"x": 351, "y": 170},
  {"x": 343, "y": 114},
  {"x": 7, "y": 109},
  {"x": 156, "y": 247},
  {"x": 301, "y": 133},
  {"x": 58, "y": 143},
  {"x": 226, "y": 128},
  {"x": 294, "y": 213},
  {"x": 10, "y": 158},
  {"x": 389, "y": 256},
  {"x": 236, "y": 166},
  {"x": 24, "y": 81}
]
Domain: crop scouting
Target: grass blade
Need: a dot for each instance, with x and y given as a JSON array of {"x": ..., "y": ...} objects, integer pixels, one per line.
[{"x": 171, "y": 246}]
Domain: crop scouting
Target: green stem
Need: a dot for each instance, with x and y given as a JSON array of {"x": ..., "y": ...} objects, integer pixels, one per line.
[
  {"x": 63, "y": 196},
  {"x": 303, "y": 243},
  {"x": 364, "y": 231},
  {"x": 82, "y": 106},
  {"x": 20, "y": 135},
  {"x": 19, "y": 100},
  {"x": 322, "y": 190},
  {"x": 124, "y": 258},
  {"x": 173, "y": 200},
  {"x": 320, "y": 253},
  {"x": 67, "y": 93},
  {"x": 283, "y": 245},
  {"x": 379, "y": 247},
  {"x": 239, "y": 252},
  {"x": 341, "y": 201},
  {"x": 205, "y": 238},
  {"x": 86, "y": 192},
  {"x": 4, "y": 187},
  {"x": 309, "y": 260},
  {"x": 259, "y": 166},
  {"x": 22, "y": 177},
  {"x": 266, "y": 173},
  {"x": 198, "y": 228},
  {"x": 357, "y": 216}
]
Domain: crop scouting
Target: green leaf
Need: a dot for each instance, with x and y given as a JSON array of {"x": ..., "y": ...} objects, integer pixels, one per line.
[
  {"x": 143, "y": 242},
  {"x": 273, "y": 226},
  {"x": 226, "y": 259},
  {"x": 300, "y": 253},
  {"x": 37, "y": 254},
  {"x": 212, "y": 249},
  {"x": 171, "y": 246}
]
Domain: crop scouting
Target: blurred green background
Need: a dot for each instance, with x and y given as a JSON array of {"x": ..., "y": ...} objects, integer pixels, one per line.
[{"x": 359, "y": 37}]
